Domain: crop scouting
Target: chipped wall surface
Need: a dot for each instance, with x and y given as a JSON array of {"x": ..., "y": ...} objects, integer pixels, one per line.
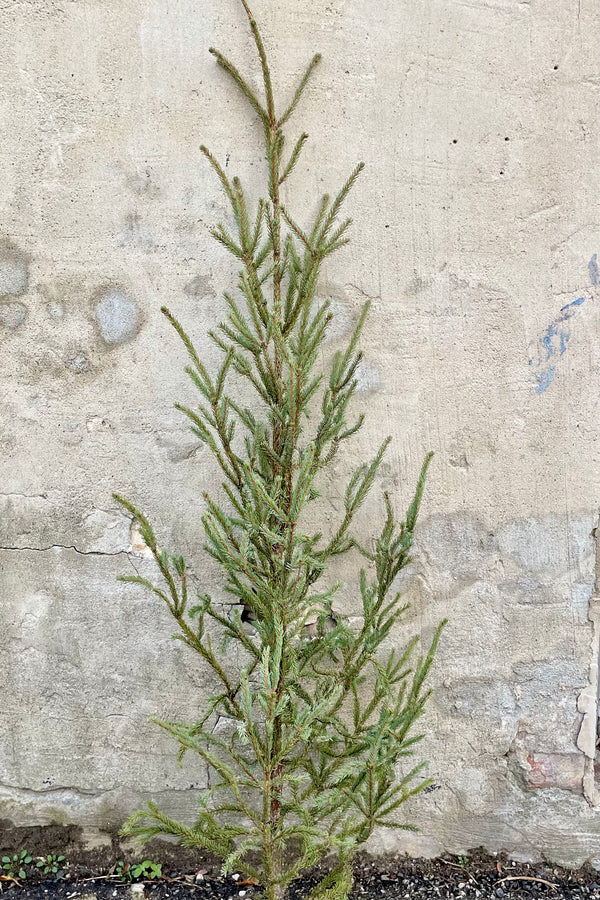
[{"x": 476, "y": 238}]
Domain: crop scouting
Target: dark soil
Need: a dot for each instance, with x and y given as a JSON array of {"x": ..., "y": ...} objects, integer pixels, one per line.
[{"x": 477, "y": 877}]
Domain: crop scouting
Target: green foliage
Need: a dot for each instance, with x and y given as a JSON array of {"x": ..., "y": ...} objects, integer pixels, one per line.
[
  {"x": 14, "y": 865},
  {"x": 321, "y": 722},
  {"x": 122, "y": 870},
  {"x": 50, "y": 864},
  {"x": 143, "y": 871},
  {"x": 146, "y": 870}
]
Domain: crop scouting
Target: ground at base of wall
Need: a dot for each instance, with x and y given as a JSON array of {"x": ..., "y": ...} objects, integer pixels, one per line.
[{"x": 478, "y": 876}]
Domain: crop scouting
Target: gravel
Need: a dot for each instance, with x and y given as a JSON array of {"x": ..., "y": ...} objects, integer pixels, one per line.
[{"x": 479, "y": 877}]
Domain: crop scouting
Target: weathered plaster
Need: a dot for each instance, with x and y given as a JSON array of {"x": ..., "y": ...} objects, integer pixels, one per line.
[
  {"x": 476, "y": 240},
  {"x": 587, "y": 702}
]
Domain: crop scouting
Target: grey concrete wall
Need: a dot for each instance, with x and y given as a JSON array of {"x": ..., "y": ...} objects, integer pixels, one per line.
[{"x": 476, "y": 238}]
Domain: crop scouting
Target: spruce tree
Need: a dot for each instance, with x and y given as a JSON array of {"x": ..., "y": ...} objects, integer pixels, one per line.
[{"x": 320, "y": 717}]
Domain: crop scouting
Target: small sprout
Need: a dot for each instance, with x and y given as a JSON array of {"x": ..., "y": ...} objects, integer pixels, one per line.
[
  {"x": 122, "y": 870},
  {"x": 145, "y": 870},
  {"x": 50, "y": 864},
  {"x": 14, "y": 865}
]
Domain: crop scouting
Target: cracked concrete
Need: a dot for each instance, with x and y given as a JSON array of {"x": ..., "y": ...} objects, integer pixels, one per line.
[
  {"x": 587, "y": 702},
  {"x": 475, "y": 237},
  {"x": 79, "y": 691},
  {"x": 64, "y": 547}
]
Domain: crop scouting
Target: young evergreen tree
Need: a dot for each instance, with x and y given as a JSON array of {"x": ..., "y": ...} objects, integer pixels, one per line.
[{"x": 319, "y": 720}]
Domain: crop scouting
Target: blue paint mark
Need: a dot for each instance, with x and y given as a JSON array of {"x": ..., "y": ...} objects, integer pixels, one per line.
[
  {"x": 577, "y": 302},
  {"x": 553, "y": 343},
  {"x": 546, "y": 341},
  {"x": 554, "y": 340},
  {"x": 544, "y": 379}
]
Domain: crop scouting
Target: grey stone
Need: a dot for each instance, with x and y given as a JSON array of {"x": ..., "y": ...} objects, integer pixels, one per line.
[
  {"x": 78, "y": 363},
  {"x": 542, "y": 545},
  {"x": 55, "y": 309},
  {"x": 456, "y": 548},
  {"x": 200, "y": 286},
  {"x": 12, "y": 315},
  {"x": 368, "y": 378},
  {"x": 117, "y": 315},
  {"x": 13, "y": 272}
]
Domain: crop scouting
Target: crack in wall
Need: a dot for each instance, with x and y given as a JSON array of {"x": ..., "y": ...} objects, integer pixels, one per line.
[
  {"x": 587, "y": 701},
  {"x": 10, "y": 494},
  {"x": 42, "y": 792},
  {"x": 66, "y": 547}
]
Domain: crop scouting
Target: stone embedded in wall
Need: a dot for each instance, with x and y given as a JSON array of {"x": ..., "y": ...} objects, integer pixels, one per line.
[
  {"x": 548, "y": 770},
  {"x": 368, "y": 378},
  {"x": 70, "y": 432},
  {"x": 12, "y": 315},
  {"x": 200, "y": 286},
  {"x": 14, "y": 273},
  {"x": 539, "y": 546},
  {"x": 97, "y": 424},
  {"x": 454, "y": 550},
  {"x": 55, "y": 309},
  {"x": 177, "y": 448},
  {"x": 84, "y": 669},
  {"x": 78, "y": 362},
  {"x": 487, "y": 704},
  {"x": 528, "y": 591},
  {"x": 342, "y": 321},
  {"x": 104, "y": 532},
  {"x": 532, "y": 554},
  {"x": 480, "y": 789},
  {"x": 117, "y": 315},
  {"x": 480, "y": 697},
  {"x": 459, "y": 460},
  {"x": 21, "y": 514},
  {"x": 581, "y": 594},
  {"x": 546, "y": 760}
]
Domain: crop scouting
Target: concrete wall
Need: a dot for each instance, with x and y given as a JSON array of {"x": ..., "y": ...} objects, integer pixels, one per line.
[{"x": 476, "y": 238}]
